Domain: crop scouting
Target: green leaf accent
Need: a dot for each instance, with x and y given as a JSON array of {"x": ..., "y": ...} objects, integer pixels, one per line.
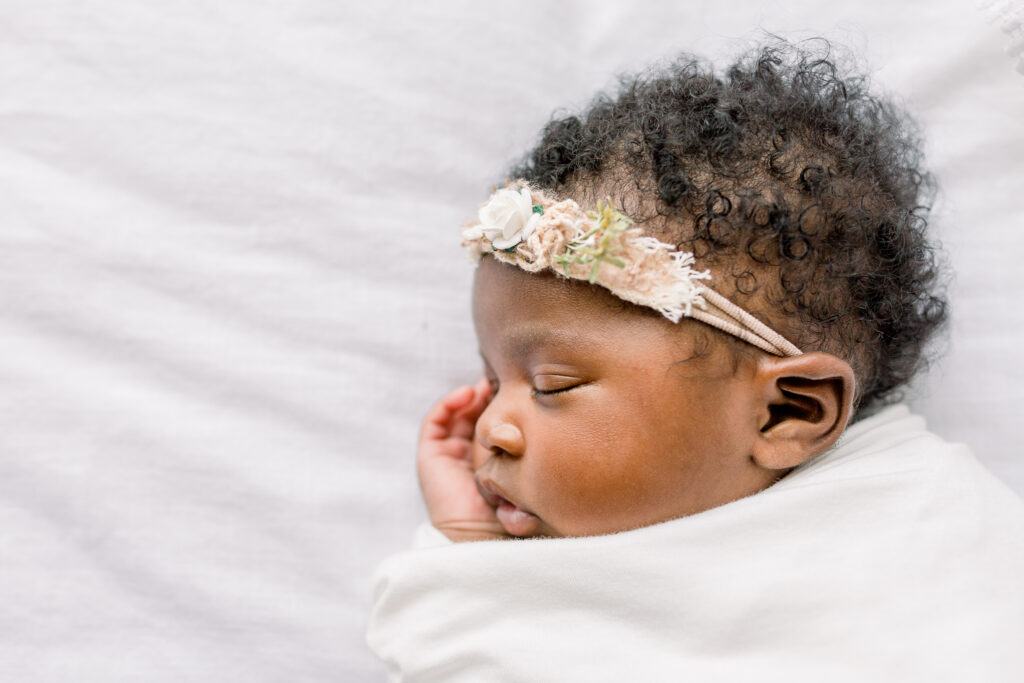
[
  {"x": 596, "y": 245},
  {"x": 538, "y": 209}
]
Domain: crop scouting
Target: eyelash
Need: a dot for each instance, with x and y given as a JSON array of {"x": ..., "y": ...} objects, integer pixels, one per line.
[
  {"x": 549, "y": 392},
  {"x": 495, "y": 386}
]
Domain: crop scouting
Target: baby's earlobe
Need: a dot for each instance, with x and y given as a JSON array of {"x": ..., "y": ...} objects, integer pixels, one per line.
[{"x": 807, "y": 402}]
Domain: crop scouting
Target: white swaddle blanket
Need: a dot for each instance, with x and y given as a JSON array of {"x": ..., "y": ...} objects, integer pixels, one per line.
[{"x": 893, "y": 557}]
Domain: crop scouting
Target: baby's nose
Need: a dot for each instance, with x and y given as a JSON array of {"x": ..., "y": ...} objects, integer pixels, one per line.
[{"x": 503, "y": 437}]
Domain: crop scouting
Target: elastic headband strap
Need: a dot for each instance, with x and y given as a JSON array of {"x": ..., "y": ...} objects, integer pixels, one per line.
[{"x": 728, "y": 317}]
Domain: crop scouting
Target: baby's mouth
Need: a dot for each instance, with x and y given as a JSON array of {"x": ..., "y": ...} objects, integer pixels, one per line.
[{"x": 516, "y": 520}]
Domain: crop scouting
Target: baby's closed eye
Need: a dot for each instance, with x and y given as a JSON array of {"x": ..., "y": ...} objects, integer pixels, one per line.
[{"x": 549, "y": 383}]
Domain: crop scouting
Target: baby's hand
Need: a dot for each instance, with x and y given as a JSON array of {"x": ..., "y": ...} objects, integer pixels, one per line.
[{"x": 445, "y": 467}]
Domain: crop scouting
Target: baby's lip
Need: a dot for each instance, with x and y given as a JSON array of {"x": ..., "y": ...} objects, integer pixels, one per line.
[
  {"x": 516, "y": 520},
  {"x": 492, "y": 493}
]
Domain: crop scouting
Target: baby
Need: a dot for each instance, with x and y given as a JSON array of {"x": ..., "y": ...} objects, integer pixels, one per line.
[
  {"x": 684, "y": 297},
  {"x": 799, "y": 195}
]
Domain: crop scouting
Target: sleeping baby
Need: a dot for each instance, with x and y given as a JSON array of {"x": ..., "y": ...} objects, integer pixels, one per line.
[{"x": 696, "y": 306}]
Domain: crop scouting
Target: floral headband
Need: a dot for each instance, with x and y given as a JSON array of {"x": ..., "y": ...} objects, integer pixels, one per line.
[{"x": 525, "y": 228}]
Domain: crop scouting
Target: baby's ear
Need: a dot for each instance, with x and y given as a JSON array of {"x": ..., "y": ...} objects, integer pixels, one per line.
[{"x": 805, "y": 402}]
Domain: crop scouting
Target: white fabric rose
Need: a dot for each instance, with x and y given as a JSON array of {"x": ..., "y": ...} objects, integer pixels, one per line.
[{"x": 506, "y": 220}]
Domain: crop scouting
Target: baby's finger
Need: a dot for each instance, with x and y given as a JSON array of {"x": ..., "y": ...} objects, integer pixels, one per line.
[
  {"x": 459, "y": 398},
  {"x": 481, "y": 397},
  {"x": 483, "y": 389},
  {"x": 465, "y": 419},
  {"x": 437, "y": 423}
]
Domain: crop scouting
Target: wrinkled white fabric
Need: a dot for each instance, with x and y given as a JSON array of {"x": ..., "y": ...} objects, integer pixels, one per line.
[
  {"x": 893, "y": 557},
  {"x": 230, "y": 287}
]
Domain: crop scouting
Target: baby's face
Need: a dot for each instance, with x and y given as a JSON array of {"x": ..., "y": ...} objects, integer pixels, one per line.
[{"x": 605, "y": 417}]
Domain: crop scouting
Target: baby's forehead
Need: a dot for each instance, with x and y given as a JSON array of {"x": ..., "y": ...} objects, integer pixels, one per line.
[
  {"x": 521, "y": 316},
  {"x": 546, "y": 304}
]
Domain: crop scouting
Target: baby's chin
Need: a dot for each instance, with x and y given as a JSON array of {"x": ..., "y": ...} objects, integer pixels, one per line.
[
  {"x": 519, "y": 523},
  {"x": 583, "y": 529},
  {"x": 522, "y": 523}
]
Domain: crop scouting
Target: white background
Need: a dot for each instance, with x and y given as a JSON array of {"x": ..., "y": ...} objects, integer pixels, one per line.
[{"x": 230, "y": 285}]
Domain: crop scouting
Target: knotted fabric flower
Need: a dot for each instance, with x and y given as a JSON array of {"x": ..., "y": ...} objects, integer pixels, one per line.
[{"x": 506, "y": 220}]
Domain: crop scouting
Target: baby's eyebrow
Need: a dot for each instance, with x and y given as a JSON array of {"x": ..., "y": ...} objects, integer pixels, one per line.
[{"x": 521, "y": 341}]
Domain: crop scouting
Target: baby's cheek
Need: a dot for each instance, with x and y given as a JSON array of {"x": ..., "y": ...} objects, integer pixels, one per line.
[{"x": 597, "y": 483}]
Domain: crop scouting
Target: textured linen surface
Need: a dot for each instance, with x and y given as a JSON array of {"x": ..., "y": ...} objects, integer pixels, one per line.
[
  {"x": 231, "y": 285},
  {"x": 893, "y": 557}
]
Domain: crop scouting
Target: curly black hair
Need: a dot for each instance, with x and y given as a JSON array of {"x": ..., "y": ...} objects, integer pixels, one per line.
[{"x": 803, "y": 191}]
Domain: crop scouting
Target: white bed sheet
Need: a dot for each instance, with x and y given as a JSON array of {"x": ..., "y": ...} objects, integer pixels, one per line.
[{"x": 230, "y": 286}]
